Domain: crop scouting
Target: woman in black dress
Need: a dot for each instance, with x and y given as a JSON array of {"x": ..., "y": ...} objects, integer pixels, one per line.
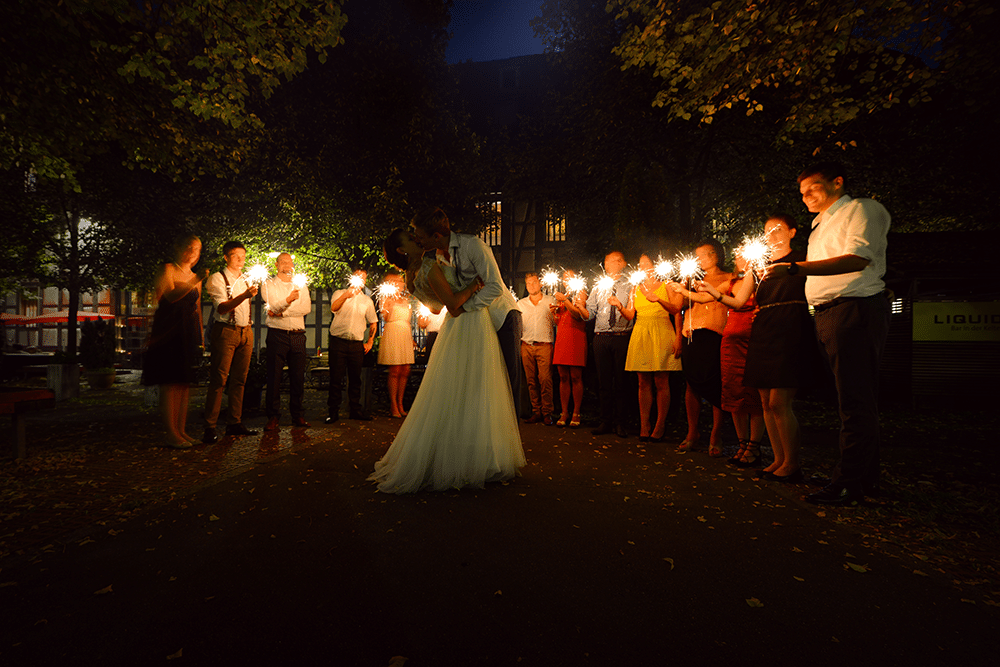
[
  {"x": 176, "y": 339},
  {"x": 781, "y": 350}
]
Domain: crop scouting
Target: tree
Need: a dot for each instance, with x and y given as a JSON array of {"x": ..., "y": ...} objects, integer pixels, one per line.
[{"x": 822, "y": 64}]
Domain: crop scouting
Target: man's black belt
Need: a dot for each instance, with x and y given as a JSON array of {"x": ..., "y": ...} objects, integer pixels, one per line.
[
  {"x": 844, "y": 299},
  {"x": 612, "y": 333}
]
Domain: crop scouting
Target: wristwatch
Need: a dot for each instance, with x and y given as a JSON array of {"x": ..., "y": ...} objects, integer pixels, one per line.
[{"x": 793, "y": 268}]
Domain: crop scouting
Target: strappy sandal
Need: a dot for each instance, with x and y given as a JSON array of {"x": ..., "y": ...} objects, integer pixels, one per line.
[
  {"x": 562, "y": 421},
  {"x": 714, "y": 451},
  {"x": 737, "y": 458},
  {"x": 751, "y": 455},
  {"x": 687, "y": 446},
  {"x": 575, "y": 422}
]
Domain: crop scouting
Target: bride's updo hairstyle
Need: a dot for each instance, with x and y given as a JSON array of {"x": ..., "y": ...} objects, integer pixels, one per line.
[{"x": 391, "y": 248}]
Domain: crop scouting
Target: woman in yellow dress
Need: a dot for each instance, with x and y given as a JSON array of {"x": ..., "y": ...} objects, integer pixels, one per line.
[{"x": 651, "y": 350}]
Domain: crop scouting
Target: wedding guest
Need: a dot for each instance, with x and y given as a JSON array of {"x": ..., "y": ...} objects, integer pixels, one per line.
[
  {"x": 844, "y": 266},
  {"x": 395, "y": 349},
  {"x": 570, "y": 350},
  {"x": 536, "y": 348},
  {"x": 352, "y": 334},
  {"x": 287, "y": 307},
  {"x": 613, "y": 313},
  {"x": 701, "y": 357},
  {"x": 231, "y": 340},
  {"x": 431, "y": 324},
  {"x": 651, "y": 348},
  {"x": 175, "y": 343},
  {"x": 781, "y": 350},
  {"x": 739, "y": 400}
]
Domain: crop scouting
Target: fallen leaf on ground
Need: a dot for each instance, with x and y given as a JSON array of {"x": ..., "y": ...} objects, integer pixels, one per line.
[
  {"x": 103, "y": 591},
  {"x": 212, "y": 517},
  {"x": 754, "y": 602},
  {"x": 857, "y": 568},
  {"x": 172, "y": 656},
  {"x": 671, "y": 561}
]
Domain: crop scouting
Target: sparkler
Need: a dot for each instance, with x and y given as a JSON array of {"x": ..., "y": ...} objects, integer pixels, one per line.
[
  {"x": 690, "y": 268},
  {"x": 576, "y": 285},
  {"x": 357, "y": 282},
  {"x": 424, "y": 311},
  {"x": 549, "y": 280},
  {"x": 756, "y": 251},
  {"x": 300, "y": 280},
  {"x": 604, "y": 285},
  {"x": 637, "y": 277},
  {"x": 258, "y": 273},
  {"x": 385, "y": 291},
  {"x": 664, "y": 269}
]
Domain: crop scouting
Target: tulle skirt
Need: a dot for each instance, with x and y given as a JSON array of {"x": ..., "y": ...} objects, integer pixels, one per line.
[{"x": 462, "y": 429}]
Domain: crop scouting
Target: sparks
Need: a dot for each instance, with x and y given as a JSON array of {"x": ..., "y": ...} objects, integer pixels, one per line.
[
  {"x": 549, "y": 280},
  {"x": 424, "y": 311},
  {"x": 756, "y": 251},
  {"x": 689, "y": 267},
  {"x": 258, "y": 273},
  {"x": 664, "y": 269},
  {"x": 604, "y": 284},
  {"x": 576, "y": 285},
  {"x": 637, "y": 276},
  {"x": 356, "y": 282},
  {"x": 300, "y": 280}
]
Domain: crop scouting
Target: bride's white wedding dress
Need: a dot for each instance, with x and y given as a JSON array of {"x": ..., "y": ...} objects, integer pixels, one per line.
[{"x": 462, "y": 429}]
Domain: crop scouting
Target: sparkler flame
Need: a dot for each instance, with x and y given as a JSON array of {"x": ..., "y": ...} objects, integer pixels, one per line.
[
  {"x": 258, "y": 273},
  {"x": 424, "y": 311},
  {"x": 550, "y": 278},
  {"x": 689, "y": 267},
  {"x": 356, "y": 281},
  {"x": 575, "y": 284},
  {"x": 637, "y": 277},
  {"x": 756, "y": 251},
  {"x": 300, "y": 280},
  {"x": 664, "y": 269},
  {"x": 604, "y": 284}
]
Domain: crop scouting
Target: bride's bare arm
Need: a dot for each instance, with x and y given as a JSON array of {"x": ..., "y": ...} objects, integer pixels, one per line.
[{"x": 452, "y": 300}]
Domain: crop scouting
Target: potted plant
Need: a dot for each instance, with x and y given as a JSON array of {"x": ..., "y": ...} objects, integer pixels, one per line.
[{"x": 97, "y": 353}]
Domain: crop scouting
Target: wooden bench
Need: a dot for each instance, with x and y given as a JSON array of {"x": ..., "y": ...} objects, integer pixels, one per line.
[{"x": 17, "y": 402}]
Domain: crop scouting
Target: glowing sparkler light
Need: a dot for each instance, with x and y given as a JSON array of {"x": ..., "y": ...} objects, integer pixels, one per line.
[
  {"x": 604, "y": 284},
  {"x": 356, "y": 281},
  {"x": 300, "y": 280},
  {"x": 637, "y": 277},
  {"x": 258, "y": 273},
  {"x": 689, "y": 267},
  {"x": 575, "y": 284},
  {"x": 549, "y": 279},
  {"x": 387, "y": 290},
  {"x": 424, "y": 311},
  {"x": 664, "y": 269},
  {"x": 756, "y": 251}
]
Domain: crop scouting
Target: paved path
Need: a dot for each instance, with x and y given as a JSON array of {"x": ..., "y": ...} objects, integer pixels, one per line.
[{"x": 602, "y": 553}]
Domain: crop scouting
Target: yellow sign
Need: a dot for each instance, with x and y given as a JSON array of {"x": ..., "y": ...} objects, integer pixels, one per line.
[{"x": 956, "y": 321}]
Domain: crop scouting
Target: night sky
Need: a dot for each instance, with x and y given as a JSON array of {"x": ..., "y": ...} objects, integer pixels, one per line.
[{"x": 492, "y": 30}]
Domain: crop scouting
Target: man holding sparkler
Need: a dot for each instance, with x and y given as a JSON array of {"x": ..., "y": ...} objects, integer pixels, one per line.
[
  {"x": 231, "y": 339},
  {"x": 288, "y": 303},
  {"x": 536, "y": 345},
  {"x": 353, "y": 314},
  {"x": 844, "y": 266},
  {"x": 609, "y": 306}
]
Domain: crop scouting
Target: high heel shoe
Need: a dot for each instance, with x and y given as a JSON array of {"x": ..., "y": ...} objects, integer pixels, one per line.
[
  {"x": 575, "y": 421},
  {"x": 738, "y": 456},
  {"x": 714, "y": 451},
  {"x": 794, "y": 478},
  {"x": 687, "y": 446},
  {"x": 562, "y": 421},
  {"x": 750, "y": 456}
]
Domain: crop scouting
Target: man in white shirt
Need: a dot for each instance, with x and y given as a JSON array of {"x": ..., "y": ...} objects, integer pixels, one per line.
[
  {"x": 353, "y": 317},
  {"x": 231, "y": 339},
  {"x": 536, "y": 348},
  {"x": 471, "y": 257},
  {"x": 844, "y": 266},
  {"x": 287, "y": 307}
]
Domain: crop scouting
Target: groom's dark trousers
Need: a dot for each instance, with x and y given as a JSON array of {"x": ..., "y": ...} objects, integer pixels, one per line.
[{"x": 509, "y": 336}]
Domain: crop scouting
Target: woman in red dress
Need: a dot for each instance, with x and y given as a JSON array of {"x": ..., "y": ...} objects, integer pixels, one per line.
[{"x": 570, "y": 353}]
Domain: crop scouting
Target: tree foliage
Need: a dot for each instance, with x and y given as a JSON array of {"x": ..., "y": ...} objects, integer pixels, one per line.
[
  {"x": 167, "y": 82},
  {"x": 820, "y": 64}
]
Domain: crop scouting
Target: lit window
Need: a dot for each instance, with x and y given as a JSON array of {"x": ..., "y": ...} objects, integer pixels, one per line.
[
  {"x": 555, "y": 225},
  {"x": 491, "y": 234}
]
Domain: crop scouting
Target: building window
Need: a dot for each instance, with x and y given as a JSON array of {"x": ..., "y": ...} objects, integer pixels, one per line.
[
  {"x": 555, "y": 225},
  {"x": 491, "y": 234}
]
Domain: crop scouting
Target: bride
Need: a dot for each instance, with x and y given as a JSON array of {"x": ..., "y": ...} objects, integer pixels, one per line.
[{"x": 462, "y": 429}]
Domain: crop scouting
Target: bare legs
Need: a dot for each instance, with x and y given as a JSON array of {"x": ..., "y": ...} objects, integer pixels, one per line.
[
  {"x": 570, "y": 384},
  {"x": 749, "y": 427},
  {"x": 692, "y": 404},
  {"x": 782, "y": 429},
  {"x": 174, "y": 409},
  {"x": 398, "y": 376},
  {"x": 647, "y": 381}
]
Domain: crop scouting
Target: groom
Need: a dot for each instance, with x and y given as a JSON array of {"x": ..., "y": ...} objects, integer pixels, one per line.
[{"x": 471, "y": 257}]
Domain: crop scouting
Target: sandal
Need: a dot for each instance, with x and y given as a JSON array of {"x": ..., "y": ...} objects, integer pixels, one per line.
[
  {"x": 749, "y": 456},
  {"x": 687, "y": 446},
  {"x": 715, "y": 451},
  {"x": 737, "y": 458},
  {"x": 575, "y": 422},
  {"x": 562, "y": 421}
]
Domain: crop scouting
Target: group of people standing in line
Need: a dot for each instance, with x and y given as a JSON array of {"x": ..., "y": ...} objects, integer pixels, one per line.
[{"x": 746, "y": 342}]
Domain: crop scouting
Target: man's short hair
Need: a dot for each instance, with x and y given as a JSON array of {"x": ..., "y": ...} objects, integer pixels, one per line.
[
  {"x": 530, "y": 274},
  {"x": 432, "y": 220},
  {"x": 231, "y": 246},
  {"x": 828, "y": 170}
]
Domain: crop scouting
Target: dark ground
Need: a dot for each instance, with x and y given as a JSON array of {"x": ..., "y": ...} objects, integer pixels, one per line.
[{"x": 274, "y": 549}]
